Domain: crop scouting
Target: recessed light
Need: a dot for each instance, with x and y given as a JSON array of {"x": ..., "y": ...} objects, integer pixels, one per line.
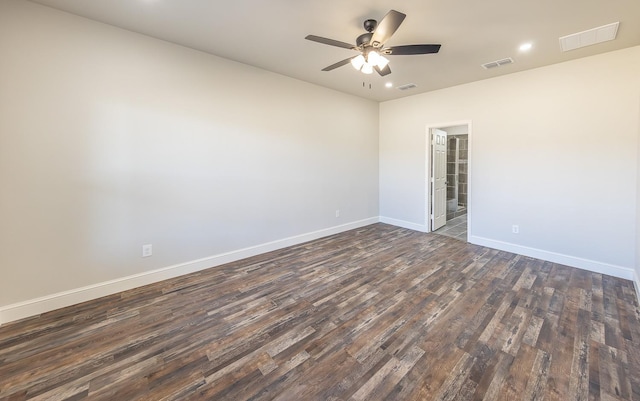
[
  {"x": 388, "y": 84},
  {"x": 525, "y": 47}
]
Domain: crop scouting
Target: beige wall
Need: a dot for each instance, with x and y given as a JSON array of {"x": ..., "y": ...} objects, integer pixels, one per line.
[
  {"x": 637, "y": 265},
  {"x": 110, "y": 140},
  {"x": 554, "y": 150}
]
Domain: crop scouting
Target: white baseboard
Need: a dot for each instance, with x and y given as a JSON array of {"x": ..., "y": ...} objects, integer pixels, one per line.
[
  {"x": 580, "y": 263},
  {"x": 636, "y": 283},
  {"x": 404, "y": 224},
  {"x": 63, "y": 299}
]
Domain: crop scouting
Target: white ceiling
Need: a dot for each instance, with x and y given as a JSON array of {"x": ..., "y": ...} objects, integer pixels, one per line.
[{"x": 270, "y": 34}]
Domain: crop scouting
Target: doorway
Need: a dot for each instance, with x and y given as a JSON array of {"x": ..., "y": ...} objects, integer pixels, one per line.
[{"x": 448, "y": 198}]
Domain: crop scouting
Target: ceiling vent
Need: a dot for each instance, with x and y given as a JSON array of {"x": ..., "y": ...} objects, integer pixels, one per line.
[
  {"x": 590, "y": 37},
  {"x": 497, "y": 63},
  {"x": 407, "y": 86}
]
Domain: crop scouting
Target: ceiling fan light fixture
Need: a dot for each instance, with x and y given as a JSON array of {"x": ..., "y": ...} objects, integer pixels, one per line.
[
  {"x": 382, "y": 62},
  {"x": 358, "y": 62},
  {"x": 367, "y": 68},
  {"x": 374, "y": 58}
]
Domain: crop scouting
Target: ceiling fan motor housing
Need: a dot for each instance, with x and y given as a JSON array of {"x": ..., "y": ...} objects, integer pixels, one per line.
[
  {"x": 370, "y": 25},
  {"x": 364, "y": 39}
]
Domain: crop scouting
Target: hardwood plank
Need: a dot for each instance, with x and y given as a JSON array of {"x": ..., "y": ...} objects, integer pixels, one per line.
[
  {"x": 377, "y": 313},
  {"x": 538, "y": 377}
]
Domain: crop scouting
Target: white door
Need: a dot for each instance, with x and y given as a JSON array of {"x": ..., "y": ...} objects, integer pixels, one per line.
[{"x": 438, "y": 179}]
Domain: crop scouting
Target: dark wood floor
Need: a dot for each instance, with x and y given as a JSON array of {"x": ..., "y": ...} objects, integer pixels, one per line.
[{"x": 379, "y": 313}]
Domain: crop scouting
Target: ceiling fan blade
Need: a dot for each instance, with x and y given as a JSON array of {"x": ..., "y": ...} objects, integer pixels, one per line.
[
  {"x": 329, "y": 42},
  {"x": 411, "y": 49},
  {"x": 383, "y": 71},
  {"x": 387, "y": 27},
  {"x": 338, "y": 64}
]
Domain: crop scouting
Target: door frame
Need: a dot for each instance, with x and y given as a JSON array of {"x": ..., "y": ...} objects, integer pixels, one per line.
[{"x": 428, "y": 176}]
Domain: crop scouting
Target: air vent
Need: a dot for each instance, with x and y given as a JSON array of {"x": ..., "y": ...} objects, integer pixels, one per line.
[
  {"x": 590, "y": 37},
  {"x": 407, "y": 86},
  {"x": 497, "y": 63}
]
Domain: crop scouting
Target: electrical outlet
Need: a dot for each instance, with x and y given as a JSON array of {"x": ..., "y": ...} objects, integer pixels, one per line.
[
  {"x": 147, "y": 250},
  {"x": 337, "y": 212},
  {"x": 515, "y": 229}
]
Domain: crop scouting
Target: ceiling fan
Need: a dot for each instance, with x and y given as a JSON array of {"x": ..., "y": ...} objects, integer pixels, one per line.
[{"x": 371, "y": 45}]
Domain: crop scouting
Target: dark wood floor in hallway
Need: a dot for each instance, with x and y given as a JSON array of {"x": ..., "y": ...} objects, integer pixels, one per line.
[{"x": 378, "y": 313}]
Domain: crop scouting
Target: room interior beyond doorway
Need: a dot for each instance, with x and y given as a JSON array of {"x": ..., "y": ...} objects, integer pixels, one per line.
[{"x": 457, "y": 182}]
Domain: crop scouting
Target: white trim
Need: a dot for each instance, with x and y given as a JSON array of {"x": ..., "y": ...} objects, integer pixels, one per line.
[
  {"x": 427, "y": 160},
  {"x": 63, "y": 299},
  {"x": 636, "y": 283},
  {"x": 573, "y": 261},
  {"x": 404, "y": 224}
]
